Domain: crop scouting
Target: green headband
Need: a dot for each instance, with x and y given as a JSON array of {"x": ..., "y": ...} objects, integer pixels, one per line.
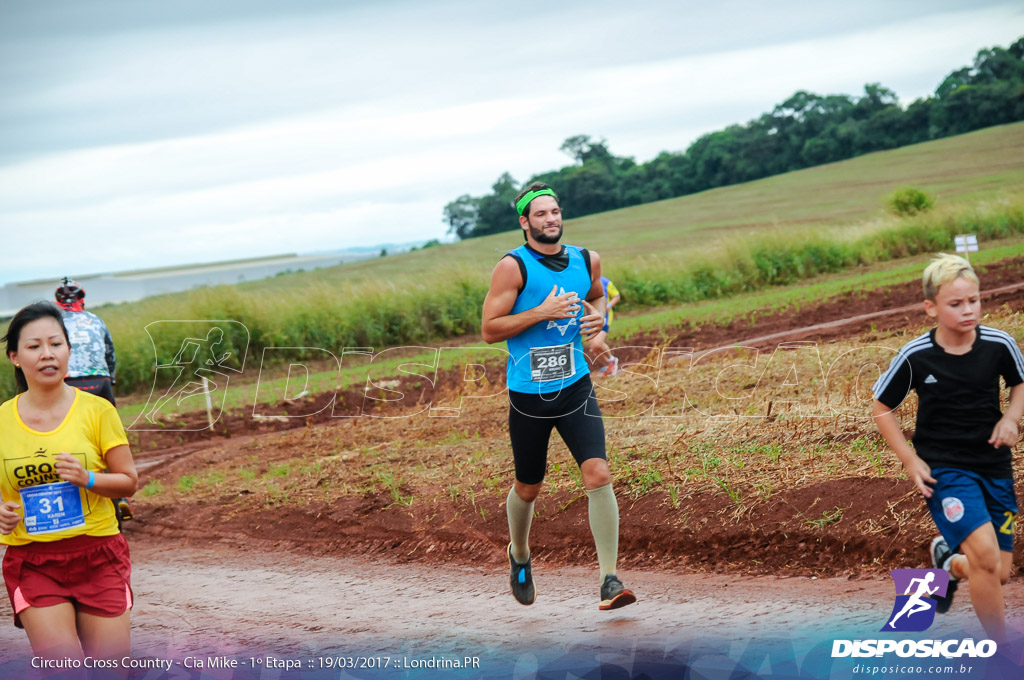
[{"x": 530, "y": 195}]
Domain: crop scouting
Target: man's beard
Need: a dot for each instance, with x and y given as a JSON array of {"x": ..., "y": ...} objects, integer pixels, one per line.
[{"x": 540, "y": 237}]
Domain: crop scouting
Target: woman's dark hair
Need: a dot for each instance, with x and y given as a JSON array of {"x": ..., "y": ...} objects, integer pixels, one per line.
[{"x": 25, "y": 316}]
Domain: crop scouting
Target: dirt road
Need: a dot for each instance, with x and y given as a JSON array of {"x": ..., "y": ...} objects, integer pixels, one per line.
[
  {"x": 343, "y": 591},
  {"x": 284, "y": 608}
]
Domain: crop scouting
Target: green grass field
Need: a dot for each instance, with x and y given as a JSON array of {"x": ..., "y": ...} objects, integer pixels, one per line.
[
  {"x": 715, "y": 244},
  {"x": 324, "y": 378},
  {"x": 964, "y": 170}
]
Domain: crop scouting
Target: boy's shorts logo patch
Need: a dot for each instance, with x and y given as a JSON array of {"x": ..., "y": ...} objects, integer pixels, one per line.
[{"x": 953, "y": 508}]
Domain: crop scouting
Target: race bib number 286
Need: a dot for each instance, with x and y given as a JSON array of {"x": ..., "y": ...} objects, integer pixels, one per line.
[{"x": 552, "y": 363}]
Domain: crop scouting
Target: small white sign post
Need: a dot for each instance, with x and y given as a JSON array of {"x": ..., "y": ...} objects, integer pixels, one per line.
[
  {"x": 209, "y": 402},
  {"x": 966, "y": 244}
]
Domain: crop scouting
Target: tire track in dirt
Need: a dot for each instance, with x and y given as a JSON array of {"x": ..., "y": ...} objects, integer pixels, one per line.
[
  {"x": 839, "y": 316},
  {"x": 328, "y": 580},
  {"x": 691, "y": 533},
  {"x": 826, "y": 329}
]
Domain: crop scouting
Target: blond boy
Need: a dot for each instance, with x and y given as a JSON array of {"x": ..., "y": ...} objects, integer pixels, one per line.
[{"x": 961, "y": 458}]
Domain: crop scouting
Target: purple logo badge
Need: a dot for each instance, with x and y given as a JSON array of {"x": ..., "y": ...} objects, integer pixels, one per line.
[{"x": 916, "y": 589}]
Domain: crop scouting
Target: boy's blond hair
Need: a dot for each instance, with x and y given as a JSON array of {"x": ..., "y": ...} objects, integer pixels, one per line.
[{"x": 943, "y": 269}]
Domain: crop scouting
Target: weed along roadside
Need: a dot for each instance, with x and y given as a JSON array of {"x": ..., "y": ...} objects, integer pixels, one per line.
[
  {"x": 708, "y": 246},
  {"x": 414, "y": 314},
  {"x": 712, "y": 457}
]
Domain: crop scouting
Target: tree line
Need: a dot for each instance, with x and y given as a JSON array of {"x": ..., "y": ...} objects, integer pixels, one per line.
[{"x": 805, "y": 130}]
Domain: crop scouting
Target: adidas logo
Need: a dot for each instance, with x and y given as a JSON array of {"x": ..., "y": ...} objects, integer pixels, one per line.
[
  {"x": 562, "y": 329},
  {"x": 930, "y": 380}
]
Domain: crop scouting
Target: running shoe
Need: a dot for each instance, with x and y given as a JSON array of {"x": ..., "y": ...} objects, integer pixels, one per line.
[
  {"x": 941, "y": 554},
  {"x": 521, "y": 580},
  {"x": 614, "y": 594},
  {"x": 613, "y": 366}
]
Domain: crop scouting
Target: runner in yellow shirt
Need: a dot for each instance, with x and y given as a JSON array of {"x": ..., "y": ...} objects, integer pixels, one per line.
[
  {"x": 64, "y": 453},
  {"x": 597, "y": 346}
]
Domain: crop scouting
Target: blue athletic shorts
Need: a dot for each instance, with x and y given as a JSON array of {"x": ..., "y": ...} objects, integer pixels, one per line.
[{"x": 963, "y": 501}]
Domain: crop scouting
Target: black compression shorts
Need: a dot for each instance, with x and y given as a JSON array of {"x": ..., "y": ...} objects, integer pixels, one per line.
[{"x": 574, "y": 411}]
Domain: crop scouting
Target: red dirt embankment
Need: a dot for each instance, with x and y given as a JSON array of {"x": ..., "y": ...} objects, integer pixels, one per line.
[{"x": 881, "y": 522}]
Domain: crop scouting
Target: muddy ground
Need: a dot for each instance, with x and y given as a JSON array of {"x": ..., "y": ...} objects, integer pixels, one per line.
[
  {"x": 883, "y": 523},
  {"x": 232, "y": 571},
  {"x": 216, "y": 601}
]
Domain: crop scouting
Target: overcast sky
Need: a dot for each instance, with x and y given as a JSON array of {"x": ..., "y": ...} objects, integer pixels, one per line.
[{"x": 141, "y": 134}]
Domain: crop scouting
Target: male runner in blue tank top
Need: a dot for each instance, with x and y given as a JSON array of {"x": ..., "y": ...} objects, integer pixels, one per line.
[{"x": 544, "y": 297}]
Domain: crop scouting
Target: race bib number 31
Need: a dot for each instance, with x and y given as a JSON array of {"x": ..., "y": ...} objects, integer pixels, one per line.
[
  {"x": 52, "y": 507},
  {"x": 552, "y": 363}
]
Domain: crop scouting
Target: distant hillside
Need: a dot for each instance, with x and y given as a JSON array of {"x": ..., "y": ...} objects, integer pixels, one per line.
[
  {"x": 806, "y": 130},
  {"x": 961, "y": 170},
  {"x": 708, "y": 245},
  {"x": 133, "y": 285}
]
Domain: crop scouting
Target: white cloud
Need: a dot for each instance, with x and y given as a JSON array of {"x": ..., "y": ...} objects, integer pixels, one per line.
[{"x": 324, "y": 132}]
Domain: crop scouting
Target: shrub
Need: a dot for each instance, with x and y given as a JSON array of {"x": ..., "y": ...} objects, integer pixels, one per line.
[
  {"x": 910, "y": 201},
  {"x": 408, "y": 309}
]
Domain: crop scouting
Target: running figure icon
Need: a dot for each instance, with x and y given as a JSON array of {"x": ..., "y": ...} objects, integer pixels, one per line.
[
  {"x": 916, "y": 602},
  {"x": 189, "y": 383}
]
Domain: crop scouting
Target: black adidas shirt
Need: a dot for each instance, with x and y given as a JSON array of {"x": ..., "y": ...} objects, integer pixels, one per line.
[{"x": 958, "y": 398}]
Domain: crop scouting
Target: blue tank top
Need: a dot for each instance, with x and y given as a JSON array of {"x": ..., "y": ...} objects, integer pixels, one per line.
[{"x": 548, "y": 356}]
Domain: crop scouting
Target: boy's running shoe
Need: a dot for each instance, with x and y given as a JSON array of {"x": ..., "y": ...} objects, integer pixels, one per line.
[
  {"x": 614, "y": 594},
  {"x": 521, "y": 579},
  {"x": 941, "y": 554}
]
